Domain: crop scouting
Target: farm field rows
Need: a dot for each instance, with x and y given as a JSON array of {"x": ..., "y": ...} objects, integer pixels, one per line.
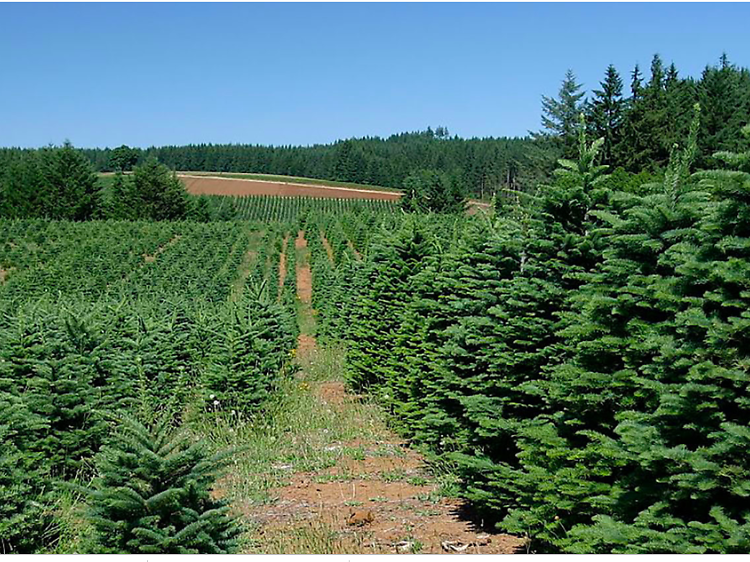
[
  {"x": 573, "y": 373},
  {"x": 108, "y": 317}
]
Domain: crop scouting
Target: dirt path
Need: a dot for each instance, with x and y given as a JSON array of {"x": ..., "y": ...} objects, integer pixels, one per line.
[
  {"x": 327, "y": 246},
  {"x": 353, "y": 249},
  {"x": 282, "y": 263},
  {"x": 335, "y": 479},
  {"x": 151, "y": 258},
  {"x": 304, "y": 275}
]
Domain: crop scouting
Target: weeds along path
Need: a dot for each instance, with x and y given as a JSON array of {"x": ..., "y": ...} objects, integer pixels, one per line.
[
  {"x": 247, "y": 262},
  {"x": 282, "y": 263},
  {"x": 324, "y": 474}
]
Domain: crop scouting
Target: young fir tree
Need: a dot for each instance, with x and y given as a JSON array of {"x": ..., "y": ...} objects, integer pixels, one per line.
[
  {"x": 54, "y": 366},
  {"x": 522, "y": 345},
  {"x": 441, "y": 343},
  {"x": 252, "y": 350},
  {"x": 375, "y": 314},
  {"x": 23, "y": 478},
  {"x": 152, "y": 495},
  {"x": 681, "y": 483}
]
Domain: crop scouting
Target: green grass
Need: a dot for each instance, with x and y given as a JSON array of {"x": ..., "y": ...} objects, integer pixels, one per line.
[
  {"x": 292, "y": 433},
  {"x": 292, "y": 179}
]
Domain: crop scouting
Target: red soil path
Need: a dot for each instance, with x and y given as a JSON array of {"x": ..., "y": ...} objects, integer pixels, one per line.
[
  {"x": 304, "y": 274},
  {"x": 282, "y": 263}
]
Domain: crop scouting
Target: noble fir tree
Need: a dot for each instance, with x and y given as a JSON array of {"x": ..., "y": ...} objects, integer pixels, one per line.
[
  {"x": 24, "y": 483},
  {"x": 152, "y": 494}
]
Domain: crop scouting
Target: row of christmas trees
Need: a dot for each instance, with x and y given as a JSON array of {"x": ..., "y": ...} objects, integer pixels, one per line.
[
  {"x": 582, "y": 361},
  {"x": 100, "y": 400}
]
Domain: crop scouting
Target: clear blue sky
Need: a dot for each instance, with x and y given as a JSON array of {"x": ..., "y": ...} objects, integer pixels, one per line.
[{"x": 153, "y": 74}]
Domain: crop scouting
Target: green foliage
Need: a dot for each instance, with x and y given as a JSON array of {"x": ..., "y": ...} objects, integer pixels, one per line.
[
  {"x": 560, "y": 116},
  {"x": 585, "y": 365},
  {"x": 430, "y": 191},
  {"x": 55, "y": 183},
  {"x": 103, "y": 317},
  {"x": 152, "y": 192},
  {"x": 607, "y": 111},
  {"x": 152, "y": 494},
  {"x": 123, "y": 158},
  {"x": 22, "y": 478},
  {"x": 254, "y": 347},
  {"x": 269, "y": 208}
]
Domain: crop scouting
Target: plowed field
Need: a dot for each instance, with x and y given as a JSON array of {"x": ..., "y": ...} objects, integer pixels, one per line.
[{"x": 206, "y": 185}]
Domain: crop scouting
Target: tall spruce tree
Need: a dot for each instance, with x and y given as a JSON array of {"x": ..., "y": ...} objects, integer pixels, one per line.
[
  {"x": 608, "y": 114},
  {"x": 560, "y": 115}
]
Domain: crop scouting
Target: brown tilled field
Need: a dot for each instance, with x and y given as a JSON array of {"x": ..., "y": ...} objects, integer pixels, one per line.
[{"x": 203, "y": 185}]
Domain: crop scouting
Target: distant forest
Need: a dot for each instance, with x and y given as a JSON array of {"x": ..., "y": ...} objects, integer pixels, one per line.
[{"x": 640, "y": 117}]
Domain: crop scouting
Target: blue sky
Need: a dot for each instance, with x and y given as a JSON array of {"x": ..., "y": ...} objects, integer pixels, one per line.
[{"x": 154, "y": 74}]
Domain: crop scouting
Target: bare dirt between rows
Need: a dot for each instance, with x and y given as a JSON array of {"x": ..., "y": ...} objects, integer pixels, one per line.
[
  {"x": 282, "y": 263},
  {"x": 384, "y": 502},
  {"x": 353, "y": 249},
  {"x": 327, "y": 246},
  {"x": 151, "y": 258},
  {"x": 209, "y": 185},
  {"x": 381, "y": 499},
  {"x": 304, "y": 275}
]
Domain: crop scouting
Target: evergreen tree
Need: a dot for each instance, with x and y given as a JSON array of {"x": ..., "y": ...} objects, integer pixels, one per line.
[
  {"x": 23, "y": 478},
  {"x": 604, "y": 488},
  {"x": 724, "y": 95},
  {"x": 20, "y": 196},
  {"x": 560, "y": 115},
  {"x": 68, "y": 184},
  {"x": 636, "y": 84},
  {"x": 153, "y": 192},
  {"x": 607, "y": 113},
  {"x": 152, "y": 495},
  {"x": 253, "y": 349},
  {"x": 123, "y": 158},
  {"x": 430, "y": 191}
]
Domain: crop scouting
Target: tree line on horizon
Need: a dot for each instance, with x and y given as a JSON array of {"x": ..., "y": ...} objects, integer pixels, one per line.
[
  {"x": 638, "y": 129},
  {"x": 639, "y": 121}
]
